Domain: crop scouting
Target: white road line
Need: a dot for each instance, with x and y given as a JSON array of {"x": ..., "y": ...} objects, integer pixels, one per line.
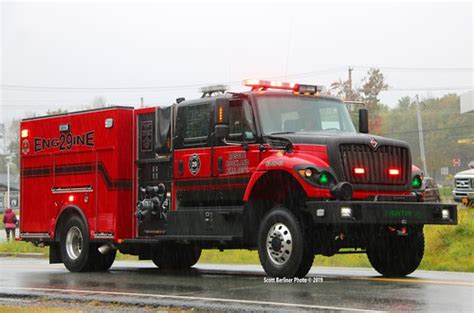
[
  {"x": 223, "y": 300},
  {"x": 14, "y": 300}
]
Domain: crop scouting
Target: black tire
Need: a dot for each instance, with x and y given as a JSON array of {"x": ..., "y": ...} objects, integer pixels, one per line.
[
  {"x": 396, "y": 256},
  {"x": 75, "y": 246},
  {"x": 176, "y": 256},
  {"x": 283, "y": 247},
  {"x": 101, "y": 262}
]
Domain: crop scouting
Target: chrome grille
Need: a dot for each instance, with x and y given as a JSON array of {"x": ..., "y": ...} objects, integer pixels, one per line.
[
  {"x": 462, "y": 183},
  {"x": 376, "y": 164}
]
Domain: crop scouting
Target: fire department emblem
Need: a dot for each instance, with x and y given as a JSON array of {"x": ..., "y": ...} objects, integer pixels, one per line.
[
  {"x": 194, "y": 164},
  {"x": 374, "y": 143},
  {"x": 25, "y": 146}
]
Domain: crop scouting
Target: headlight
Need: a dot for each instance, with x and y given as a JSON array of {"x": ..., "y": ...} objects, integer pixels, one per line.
[
  {"x": 346, "y": 212},
  {"x": 445, "y": 214},
  {"x": 314, "y": 176}
]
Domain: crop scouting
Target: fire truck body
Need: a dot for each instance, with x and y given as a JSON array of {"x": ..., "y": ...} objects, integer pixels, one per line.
[
  {"x": 281, "y": 171},
  {"x": 77, "y": 162}
]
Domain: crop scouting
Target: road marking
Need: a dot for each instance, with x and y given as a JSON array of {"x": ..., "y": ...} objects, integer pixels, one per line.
[
  {"x": 14, "y": 300},
  {"x": 224, "y": 300},
  {"x": 415, "y": 281}
]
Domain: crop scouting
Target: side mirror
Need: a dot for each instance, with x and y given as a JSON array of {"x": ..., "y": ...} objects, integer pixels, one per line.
[
  {"x": 221, "y": 131},
  {"x": 221, "y": 118},
  {"x": 248, "y": 136},
  {"x": 364, "y": 121}
]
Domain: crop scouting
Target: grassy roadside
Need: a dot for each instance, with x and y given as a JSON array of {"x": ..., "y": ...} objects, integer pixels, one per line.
[{"x": 448, "y": 248}]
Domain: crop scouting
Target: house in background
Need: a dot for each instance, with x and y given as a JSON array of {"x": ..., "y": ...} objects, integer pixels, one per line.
[{"x": 14, "y": 192}]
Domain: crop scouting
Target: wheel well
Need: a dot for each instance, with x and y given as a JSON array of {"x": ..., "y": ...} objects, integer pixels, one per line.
[
  {"x": 64, "y": 216},
  {"x": 272, "y": 189}
]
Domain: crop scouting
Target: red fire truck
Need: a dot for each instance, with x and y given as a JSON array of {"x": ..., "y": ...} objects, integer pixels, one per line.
[{"x": 280, "y": 169}]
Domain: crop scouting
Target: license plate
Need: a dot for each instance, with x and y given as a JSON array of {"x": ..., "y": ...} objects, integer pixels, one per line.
[{"x": 465, "y": 201}]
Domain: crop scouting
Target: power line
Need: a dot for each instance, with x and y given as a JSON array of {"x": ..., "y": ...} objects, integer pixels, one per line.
[
  {"x": 148, "y": 88},
  {"x": 441, "y": 88},
  {"x": 417, "y": 69},
  {"x": 429, "y": 130}
]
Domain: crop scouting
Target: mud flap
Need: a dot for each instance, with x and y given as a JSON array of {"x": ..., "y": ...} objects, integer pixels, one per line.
[{"x": 54, "y": 253}]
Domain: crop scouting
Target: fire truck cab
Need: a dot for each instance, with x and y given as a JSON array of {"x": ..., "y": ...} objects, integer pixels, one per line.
[{"x": 280, "y": 169}]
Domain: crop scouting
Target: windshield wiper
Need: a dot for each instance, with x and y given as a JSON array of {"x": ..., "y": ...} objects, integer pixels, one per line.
[{"x": 282, "y": 133}]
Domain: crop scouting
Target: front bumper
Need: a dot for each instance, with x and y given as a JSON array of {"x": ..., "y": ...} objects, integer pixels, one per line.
[
  {"x": 459, "y": 195},
  {"x": 381, "y": 212}
]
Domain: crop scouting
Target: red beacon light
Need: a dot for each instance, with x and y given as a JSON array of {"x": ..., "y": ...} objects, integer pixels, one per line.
[
  {"x": 394, "y": 172},
  {"x": 257, "y": 84},
  {"x": 359, "y": 170}
]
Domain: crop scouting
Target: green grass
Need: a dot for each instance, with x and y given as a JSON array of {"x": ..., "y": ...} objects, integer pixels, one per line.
[
  {"x": 16, "y": 247},
  {"x": 446, "y": 193},
  {"x": 448, "y": 248}
]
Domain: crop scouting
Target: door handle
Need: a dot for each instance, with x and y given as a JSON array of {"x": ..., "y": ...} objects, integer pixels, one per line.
[
  {"x": 220, "y": 165},
  {"x": 180, "y": 167}
]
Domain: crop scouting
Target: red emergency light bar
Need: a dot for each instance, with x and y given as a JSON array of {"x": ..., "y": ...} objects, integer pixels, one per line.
[{"x": 257, "y": 84}]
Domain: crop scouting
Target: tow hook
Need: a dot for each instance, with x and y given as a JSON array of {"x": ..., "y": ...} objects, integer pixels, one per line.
[{"x": 400, "y": 232}]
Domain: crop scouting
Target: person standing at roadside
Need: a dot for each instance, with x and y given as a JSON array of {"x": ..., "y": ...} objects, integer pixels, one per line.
[{"x": 9, "y": 221}]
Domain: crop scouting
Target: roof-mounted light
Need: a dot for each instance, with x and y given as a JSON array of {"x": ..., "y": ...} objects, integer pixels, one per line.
[
  {"x": 312, "y": 89},
  {"x": 209, "y": 91},
  {"x": 257, "y": 84}
]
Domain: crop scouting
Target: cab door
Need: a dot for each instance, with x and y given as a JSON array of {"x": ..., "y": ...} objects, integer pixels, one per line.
[
  {"x": 236, "y": 157},
  {"x": 192, "y": 155}
]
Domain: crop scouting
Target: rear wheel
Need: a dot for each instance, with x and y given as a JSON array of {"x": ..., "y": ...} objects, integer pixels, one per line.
[
  {"x": 396, "y": 256},
  {"x": 101, "y": 262},
  {"x": 75, "y": 247},
  {"x": 283, "y": 248},
  {"x": 176, "y": 256}
]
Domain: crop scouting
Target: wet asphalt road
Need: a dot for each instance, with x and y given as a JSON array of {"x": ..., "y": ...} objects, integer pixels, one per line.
[{"x": 240, "y": 288}]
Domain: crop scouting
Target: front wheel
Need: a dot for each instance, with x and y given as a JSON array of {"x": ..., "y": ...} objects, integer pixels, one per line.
[
  {"x": 396, "y": 256},
  {"x": 282, "y": 247}
]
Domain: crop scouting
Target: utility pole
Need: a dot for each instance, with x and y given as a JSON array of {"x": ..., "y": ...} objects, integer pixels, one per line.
[
  {"x": 350, "y": 69},
  {"x": 9, "y": 158},
  {"x": 420, "y": 136}
]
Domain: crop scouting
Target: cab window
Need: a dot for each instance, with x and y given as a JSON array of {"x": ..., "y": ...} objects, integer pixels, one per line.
[
  {"x": 241, "y": 123},
  {"x": 193, "y": 125}
]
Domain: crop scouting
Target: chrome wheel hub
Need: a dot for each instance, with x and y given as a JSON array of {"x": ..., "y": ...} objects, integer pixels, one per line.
[
  {"x": 74, "y": 242},
  {"x": 279, "y": 244}
]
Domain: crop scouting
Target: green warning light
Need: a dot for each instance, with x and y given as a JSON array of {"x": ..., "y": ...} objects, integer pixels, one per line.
[
  {"x": 323, "y": 179},
  {"x": 416, "y": 183}
]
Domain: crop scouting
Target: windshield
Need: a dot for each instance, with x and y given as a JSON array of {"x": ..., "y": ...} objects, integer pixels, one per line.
[{"x": 288, "y": 114}]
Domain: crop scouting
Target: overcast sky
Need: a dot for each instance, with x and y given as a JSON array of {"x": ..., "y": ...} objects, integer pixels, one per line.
[{"x": 175, "y": 47}]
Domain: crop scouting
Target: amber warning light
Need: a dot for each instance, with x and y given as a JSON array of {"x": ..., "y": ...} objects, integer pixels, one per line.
[{"x": 257, "y": 84}]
